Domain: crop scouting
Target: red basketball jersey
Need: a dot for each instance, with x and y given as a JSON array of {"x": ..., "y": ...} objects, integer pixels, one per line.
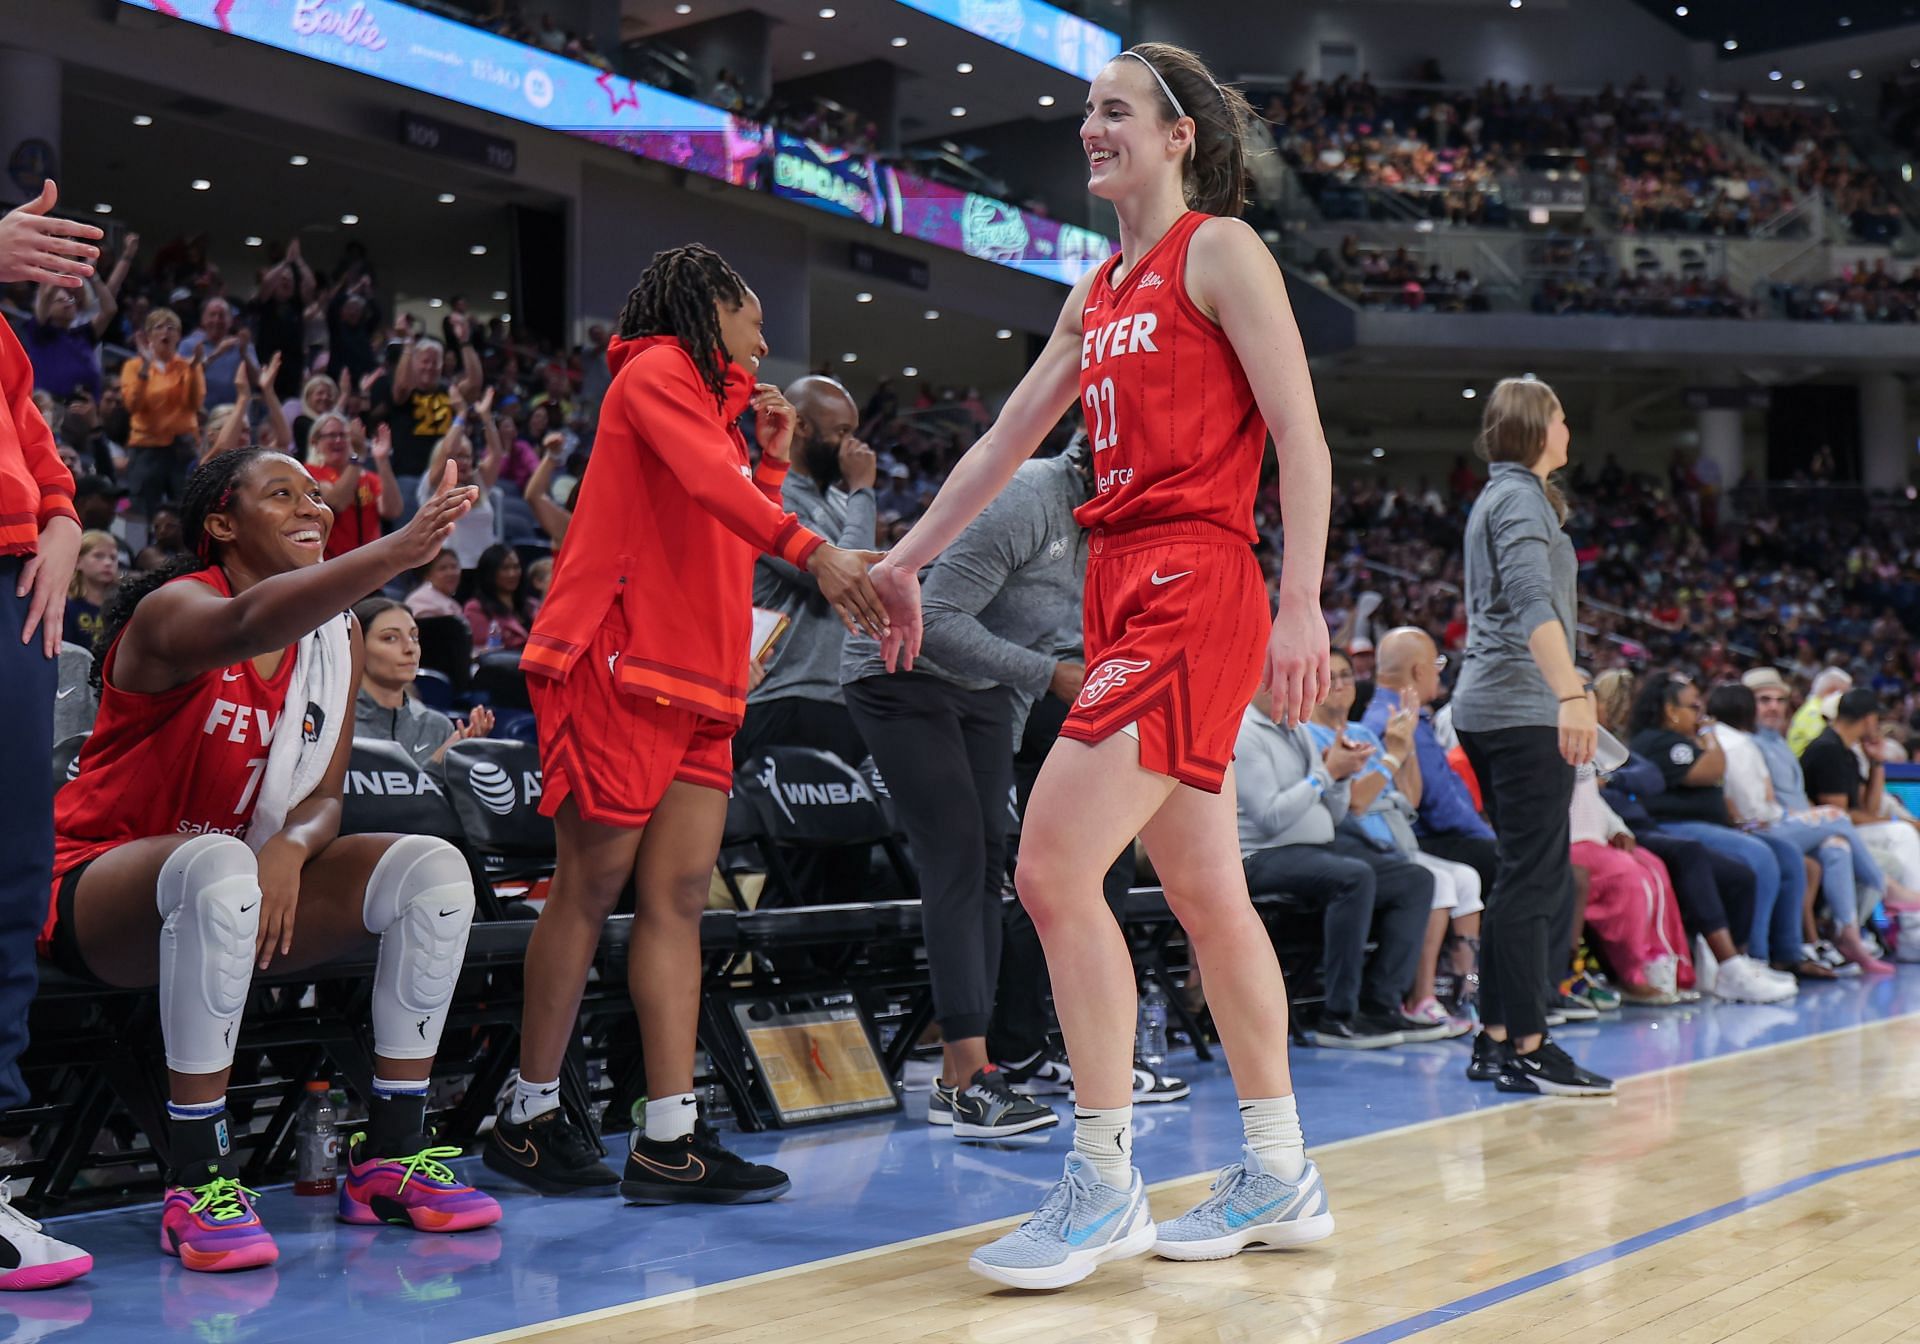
[
  {"x": 185, "y": 761},
  {"x": 1175, "y": 432}
]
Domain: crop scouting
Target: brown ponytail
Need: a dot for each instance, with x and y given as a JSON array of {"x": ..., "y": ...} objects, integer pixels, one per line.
[{"x": 1216, "y": 173}]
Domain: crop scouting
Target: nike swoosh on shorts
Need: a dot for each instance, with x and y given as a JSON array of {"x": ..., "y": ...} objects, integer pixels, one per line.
[{"x": 1157, "y": 578}]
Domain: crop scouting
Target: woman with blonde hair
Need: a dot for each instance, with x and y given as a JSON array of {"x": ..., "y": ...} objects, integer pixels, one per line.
[
  {"x": 94, "y": 575},
  {"x": 1526, "y": 722}
]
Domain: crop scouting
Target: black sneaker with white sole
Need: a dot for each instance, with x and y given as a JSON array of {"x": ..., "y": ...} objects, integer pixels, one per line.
[
  {"x": 1045, "y": 1073},
  {"x": 1151, "y": 1086},
  {"x": 1549, "y": 1071},
  {"x": 1488, "y": 1056},
  {"x": 696, "y": 1170},
  {"x": 986, "y": 1108},
  {"x": 1359, "y": 1032},
  {"x": 550, "y": 1152}
]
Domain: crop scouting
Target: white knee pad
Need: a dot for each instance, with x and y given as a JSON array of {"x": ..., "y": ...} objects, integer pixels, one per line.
[
  {"x": 208, "y": 894},
  {"x": 420, "y": 902}
]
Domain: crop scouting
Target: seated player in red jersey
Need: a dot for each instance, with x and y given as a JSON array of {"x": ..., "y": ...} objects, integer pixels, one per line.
[{"x": 201, "y": 839}]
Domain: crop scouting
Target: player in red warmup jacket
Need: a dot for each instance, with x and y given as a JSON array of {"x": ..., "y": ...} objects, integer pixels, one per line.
[
  {"x": 1183, "y": 356},
  {"x": 638, "y": 670}
]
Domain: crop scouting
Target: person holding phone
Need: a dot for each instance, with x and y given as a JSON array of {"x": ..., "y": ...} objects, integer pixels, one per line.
[{"x": 1527, "y": 723}]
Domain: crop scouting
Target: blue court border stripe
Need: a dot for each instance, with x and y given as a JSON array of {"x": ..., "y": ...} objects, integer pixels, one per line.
[{"x": 1566, "y": 1269}]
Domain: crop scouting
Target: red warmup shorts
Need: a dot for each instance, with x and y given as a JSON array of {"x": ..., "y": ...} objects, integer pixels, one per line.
[
  {"x": 613, "y": 752},
  {"x": 1176, "y": 624}
]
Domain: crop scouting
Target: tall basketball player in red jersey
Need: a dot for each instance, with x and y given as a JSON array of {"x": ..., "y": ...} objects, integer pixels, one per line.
[
  {"x": 638, "y": 671},
  {"x": 1183, "y": 355},
  {"x": 201, "y": 838}
]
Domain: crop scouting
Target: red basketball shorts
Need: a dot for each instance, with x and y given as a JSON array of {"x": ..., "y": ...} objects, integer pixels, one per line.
[
  {"x": 613, "y": 752},
  {"x": 1176, "y": 624}
]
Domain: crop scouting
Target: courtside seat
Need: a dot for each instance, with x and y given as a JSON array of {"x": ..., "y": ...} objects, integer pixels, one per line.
[
  {"x": 387, "y": 790},
  {"x": 812, "y": 801},
  {"x": 494, "y": 787},
  {"x": 497, "y": 676}
]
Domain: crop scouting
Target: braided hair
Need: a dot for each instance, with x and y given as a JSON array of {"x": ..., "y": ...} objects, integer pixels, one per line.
[
  {"x": 209, "y": 490},
  {"x": 676, "y": 297}
]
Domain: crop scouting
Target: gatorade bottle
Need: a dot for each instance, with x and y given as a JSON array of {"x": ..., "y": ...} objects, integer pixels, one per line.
[{"x": 317, "y": 1142}]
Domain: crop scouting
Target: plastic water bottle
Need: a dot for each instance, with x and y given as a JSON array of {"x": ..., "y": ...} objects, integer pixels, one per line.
[
  {"x": 1150, "y": 1042},
  {"x": 317, "y": 1142}
]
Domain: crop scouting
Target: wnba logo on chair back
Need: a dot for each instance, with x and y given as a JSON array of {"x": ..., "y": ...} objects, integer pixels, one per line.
[{"x": 1109, "y": 675}]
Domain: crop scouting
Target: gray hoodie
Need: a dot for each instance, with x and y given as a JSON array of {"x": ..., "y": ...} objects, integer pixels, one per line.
[
  {"x": 996, "y": 601},
  {"x": 806, "y": 660}
]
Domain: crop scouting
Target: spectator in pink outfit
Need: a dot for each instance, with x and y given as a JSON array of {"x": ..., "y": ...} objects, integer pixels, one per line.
[
  {"x": 1632, "y": 915},
  {"x": 438, "y": 584}
]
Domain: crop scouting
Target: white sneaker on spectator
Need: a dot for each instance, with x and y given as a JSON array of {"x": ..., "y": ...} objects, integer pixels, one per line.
[
  {"x": 1740, "y": 981},
  {"x": 1705, "y": 965}
]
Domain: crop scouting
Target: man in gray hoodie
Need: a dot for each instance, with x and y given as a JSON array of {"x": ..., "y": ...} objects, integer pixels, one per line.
[
  {"x": 942, "y": 736},
  {"x": 829, "y": 488}
]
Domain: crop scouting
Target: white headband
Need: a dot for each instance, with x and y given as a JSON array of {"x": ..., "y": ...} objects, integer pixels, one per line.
[{"x": 1178, "y": 111}]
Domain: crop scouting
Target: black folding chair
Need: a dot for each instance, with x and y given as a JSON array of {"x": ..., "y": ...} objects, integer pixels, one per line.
[
  {"x": 494, "y": 788},
  {"x": 813, "y": 801}
]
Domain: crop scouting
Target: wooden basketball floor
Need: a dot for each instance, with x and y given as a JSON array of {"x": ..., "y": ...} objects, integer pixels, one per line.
[{"x": 1770, "y": 1195}]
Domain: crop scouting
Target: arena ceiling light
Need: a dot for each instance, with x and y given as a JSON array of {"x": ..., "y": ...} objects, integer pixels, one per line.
[
  {"x": 349, "y": 219},
  {"x": 446, "y": 198},
  {"x": 103, "y": 209},
  {"x": 1731, "y": 44},
  {"x": 807, "y": 55},
  {"x": 1513, "y": 4},
  {"x": 863, "y": 297},
  {"x": 932, "y": 314},
  {"x": 828, "y": 13},
  {"x": 436, "y": 303},
  {"x": 1382, "y": 452},
  {"x": 683, "y": 9},
  {"x": 909, "y": 372},
  {"x": 1775, "y": 75},
  {"x": 956, "y": 111},
  {"x": 964, "y": 68},
  {"x": 1845, "y": 22},
  {"x": 1468, "y": 393},
  {"x": 506, "y": 317},
  {"x": 499, "y": 296},
  {"x": 477, "y": 250},
  {"x": 1680, "y": 11},
  {"x": 899, "y": 41},
  {"x": 1004, "y": 334},
  {"x": 1046, "y": 100},
  {"x": 201, "y": 184},
  {"x": 849, "y": 358},
  {"x": 254, "y": 240},
  {"x": 142, "y": 119},
  {"x": 1854, "y": 73},
  {"x": 297, "y": 160},
  {"x": 1798, "y": 85}
]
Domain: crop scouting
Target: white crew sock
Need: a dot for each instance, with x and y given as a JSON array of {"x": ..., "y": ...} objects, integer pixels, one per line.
[
  {"x": 1105, "y": 1138},
  {"x": 532, "y": 1099},
  {"x": 670, "y": 1118},
  {"x": 1273, "y": 1132}
]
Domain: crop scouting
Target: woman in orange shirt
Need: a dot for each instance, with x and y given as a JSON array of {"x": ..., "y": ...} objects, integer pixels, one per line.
[
  {"x": 638, "y": 669},
  {"x": 164, "y": 394}
]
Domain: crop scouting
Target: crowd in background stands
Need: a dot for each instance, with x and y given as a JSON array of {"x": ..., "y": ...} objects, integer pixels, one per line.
[
  {"x": 1453, "y": 149},
  {"x": 1862, "y": 293},
  {"x": 1374, "y": 278},
  {"x": 1640, "y": 294},
  {"x": 1667, "y": 577},
  {"x": 1811, "y": 148}
]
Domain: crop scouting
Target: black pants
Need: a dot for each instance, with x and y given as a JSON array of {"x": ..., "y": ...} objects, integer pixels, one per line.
[
  {"x": 1365, "y": 891},
  {"x": 947, "y": 757},
  {"x": 1713, "y": 890},
  {"x": 27, "y": 681},
  {"x": 1527, "y": 787},
  {"x": 159, "y": 473}
]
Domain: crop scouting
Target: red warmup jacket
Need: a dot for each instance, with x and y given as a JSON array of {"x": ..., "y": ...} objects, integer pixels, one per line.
[
  {"x": 670, "y": 520},
  {"x": 35, "y": 484}
]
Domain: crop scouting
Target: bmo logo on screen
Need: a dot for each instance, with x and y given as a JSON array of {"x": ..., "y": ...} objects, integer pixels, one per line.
[{"x": 538, "y": 86}]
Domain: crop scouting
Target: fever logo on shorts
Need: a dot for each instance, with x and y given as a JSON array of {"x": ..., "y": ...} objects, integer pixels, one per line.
[
  {"x": 1110, "y": 674},
  {"x": 492, "y": 787}
]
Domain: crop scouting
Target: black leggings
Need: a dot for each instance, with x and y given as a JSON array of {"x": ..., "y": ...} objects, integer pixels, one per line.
[
  {"x": 1528, "y": 788},
  {"x": 946, "y": 755}
]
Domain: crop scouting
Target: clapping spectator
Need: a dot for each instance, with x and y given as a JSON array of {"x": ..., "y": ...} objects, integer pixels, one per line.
[
  {"x": 164, "y": 392},
  {"x": 499, "y": 615},
  {"x": 229, "y": 427},
  {"x": 226, "y": 350},
  {"x": 278, "y": 310},
  {"x": 386, "y": 709},
  {"x": 357, "y": 482},
  {"x": 63, "y": 348},
  {"x": 416, "y": 399},
  {"x": 435, "y": 595},
  {"x": 320, "y": 395},
  {"x": 473, "y": 533},
  {"x": 353, "y": 329}
]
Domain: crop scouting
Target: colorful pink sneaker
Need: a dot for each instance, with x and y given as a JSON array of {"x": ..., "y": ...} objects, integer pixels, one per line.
[
  {"x": 34, "y": 1259},
  {"x": 212, "y": 1227},
  {"x": 1428, "y": 1013},
  {"x": 418, "y": 1192}
]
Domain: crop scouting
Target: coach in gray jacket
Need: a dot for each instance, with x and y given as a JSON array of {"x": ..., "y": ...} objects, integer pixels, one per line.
[
  {"x": 829, "y": 488},
  {"x": 942, "y": 735}
]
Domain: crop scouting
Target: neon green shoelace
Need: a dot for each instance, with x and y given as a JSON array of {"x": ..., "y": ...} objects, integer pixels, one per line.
[
  {"x": 429, "y": 1164},
  {"x": 222, "y": 1199}
]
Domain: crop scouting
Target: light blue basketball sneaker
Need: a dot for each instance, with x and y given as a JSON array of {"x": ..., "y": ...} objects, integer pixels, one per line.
[
  {"x": 1249, "y": 1204},
  {"x": 1080, "y": 1225}
]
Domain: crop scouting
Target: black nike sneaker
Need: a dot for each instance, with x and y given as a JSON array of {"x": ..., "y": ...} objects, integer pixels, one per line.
[
  {"x": 1488, "y": 1056},
  {"x": 696, "y": 1170},
  {"x": 1550, "y": 1071},
  {"x": 550, "y": 1152}
]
